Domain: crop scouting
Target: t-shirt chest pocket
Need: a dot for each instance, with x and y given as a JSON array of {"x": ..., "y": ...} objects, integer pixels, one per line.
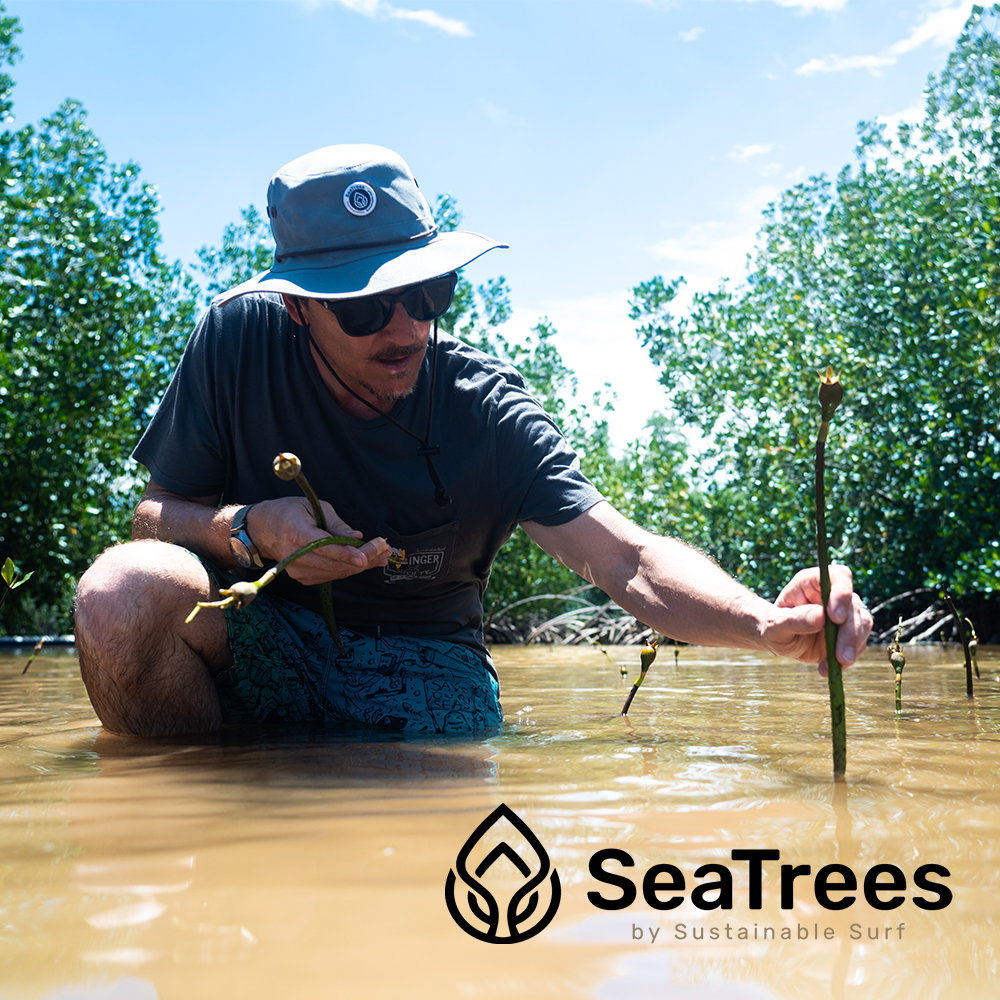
[{"x": 419, "y": 558}]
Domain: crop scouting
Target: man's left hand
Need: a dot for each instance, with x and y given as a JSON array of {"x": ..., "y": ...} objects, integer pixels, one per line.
[{"x": 796, "y": 629}]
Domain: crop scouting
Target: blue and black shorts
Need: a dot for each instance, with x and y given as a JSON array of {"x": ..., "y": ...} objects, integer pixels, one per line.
[{"x": 286, "y": 668}]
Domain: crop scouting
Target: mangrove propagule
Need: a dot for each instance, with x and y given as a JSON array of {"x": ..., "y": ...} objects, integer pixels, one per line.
[
  {"x": 646, "y": 658},
  {"x": 973, "y": 646},
  {"x": 964, "y": 640},
  {"x": 831, "y": 392},
  {"x": 288, "y": 467},
  {"x": 898, "y": 661}
]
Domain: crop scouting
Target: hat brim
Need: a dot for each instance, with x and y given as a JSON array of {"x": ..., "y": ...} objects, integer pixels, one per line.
[{"x": 346, "y": 274}]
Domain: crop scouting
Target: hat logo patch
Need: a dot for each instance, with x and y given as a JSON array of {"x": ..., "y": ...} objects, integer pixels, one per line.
[{"x": 359, "y": 198}]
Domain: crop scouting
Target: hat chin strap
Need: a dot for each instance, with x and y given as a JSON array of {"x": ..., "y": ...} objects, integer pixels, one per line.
[{"x": 424, "y": 450}]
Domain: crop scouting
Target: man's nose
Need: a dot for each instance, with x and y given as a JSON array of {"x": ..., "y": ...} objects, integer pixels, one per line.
[{"x": 403, "y": 328}]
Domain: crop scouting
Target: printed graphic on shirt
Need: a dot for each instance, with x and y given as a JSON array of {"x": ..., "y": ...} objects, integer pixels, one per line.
[
  {"x": 422, "y": 557},
  {"x": 424, "y": 564}
]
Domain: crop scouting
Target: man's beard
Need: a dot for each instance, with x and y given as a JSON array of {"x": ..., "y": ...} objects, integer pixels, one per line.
[
  {"x": 393, "y": 395},
  {"x": 388, "y": 397}
]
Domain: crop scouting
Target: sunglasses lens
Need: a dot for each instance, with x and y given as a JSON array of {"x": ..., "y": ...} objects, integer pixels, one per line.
[
  {"x": 363, "y": 317},
  {"x": 431, "y": 299}
]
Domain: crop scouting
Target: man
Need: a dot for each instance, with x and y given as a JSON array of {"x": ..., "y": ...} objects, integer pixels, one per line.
[{"x": 426, "y": 449}]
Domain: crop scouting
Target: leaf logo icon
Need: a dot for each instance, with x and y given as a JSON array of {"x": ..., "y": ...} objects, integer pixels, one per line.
[{"x": 523, "y": 904}]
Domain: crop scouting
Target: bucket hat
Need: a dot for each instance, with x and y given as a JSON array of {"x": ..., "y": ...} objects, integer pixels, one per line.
[{"x": 349, "y": 221}]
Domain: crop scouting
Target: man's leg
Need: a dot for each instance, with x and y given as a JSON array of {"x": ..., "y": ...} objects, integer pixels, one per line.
[{"x": 146, "y": 671}]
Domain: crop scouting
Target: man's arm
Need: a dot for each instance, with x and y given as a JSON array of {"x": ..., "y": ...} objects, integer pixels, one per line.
[
  {"x": 277, "y": 527},
  {"x": 683, "y": 594}
]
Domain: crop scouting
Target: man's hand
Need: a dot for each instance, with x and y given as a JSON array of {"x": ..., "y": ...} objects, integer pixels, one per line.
[
  {"x": 796, "y": 629},
  {"x": 279, "y": 527}
]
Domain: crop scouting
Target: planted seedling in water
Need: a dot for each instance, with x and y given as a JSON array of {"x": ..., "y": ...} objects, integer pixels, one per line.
[
  {"x": 898, "y": 661},
  {"x": 963, "y": 638},
  {"x": 973, "y": 646},
  {"x": 831, "y": 392},
  {"x": 646, "y": 658}
]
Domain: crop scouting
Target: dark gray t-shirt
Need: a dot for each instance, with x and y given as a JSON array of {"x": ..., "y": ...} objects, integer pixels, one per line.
[{"x": 247, "y": 388}]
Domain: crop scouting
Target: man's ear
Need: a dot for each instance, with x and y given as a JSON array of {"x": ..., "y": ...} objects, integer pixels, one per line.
[{"x": 294, "y": 306}]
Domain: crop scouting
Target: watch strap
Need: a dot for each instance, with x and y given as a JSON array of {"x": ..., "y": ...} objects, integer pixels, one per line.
[{"x": 239, "y": 535}]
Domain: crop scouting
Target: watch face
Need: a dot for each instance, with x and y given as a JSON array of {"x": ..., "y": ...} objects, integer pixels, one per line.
[{"x": 240, "y": 552}]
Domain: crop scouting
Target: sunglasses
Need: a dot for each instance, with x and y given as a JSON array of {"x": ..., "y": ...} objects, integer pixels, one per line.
[{"x": 365, "y": 316}]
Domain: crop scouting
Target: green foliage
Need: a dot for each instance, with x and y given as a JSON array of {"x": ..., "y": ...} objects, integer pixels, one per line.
[
  {"x": 9, "y": 575},
  {"x": 890, "y": 276},
  {"x": 90, "y": 330},
  {"x": 247, "y": 249}
]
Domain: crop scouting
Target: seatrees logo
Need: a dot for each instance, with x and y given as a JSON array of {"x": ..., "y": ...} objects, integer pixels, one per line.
[
  {"x": 533, "y": 898},
  {"x": 532, "y": 887}
]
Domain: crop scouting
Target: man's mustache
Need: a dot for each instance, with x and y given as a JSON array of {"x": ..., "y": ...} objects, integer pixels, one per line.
[{"x": 398, "y": 353}]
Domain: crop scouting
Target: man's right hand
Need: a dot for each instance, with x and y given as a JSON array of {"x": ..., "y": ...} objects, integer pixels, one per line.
[{"x": 279, "y": 527}]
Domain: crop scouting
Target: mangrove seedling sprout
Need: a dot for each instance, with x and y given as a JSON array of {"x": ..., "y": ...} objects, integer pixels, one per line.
[
  {"x": 287, "y": 466},
  {"x": 898, "y": 661},
  {"x": 831, "y": 392},
  {"x": 38, "y": 648},
  {"x": 973, "y": 646},
  {"x": 646, "y": 658},
  {"x": 964, "y": 639}
]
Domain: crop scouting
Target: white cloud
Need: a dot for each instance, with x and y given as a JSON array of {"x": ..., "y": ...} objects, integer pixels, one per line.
[
  {"x": 837, "y": 64},
  {"x": 598, "y": 342},
  {"x": 808, "y": 6},
  {"x": 940, "y": 27},
  {"x": 432, "y": 19},
  {"x": 742, "y": 153},
  {"x": 377, "y": 9},
  {"x": 710, "y": 251},
  {"x": 691, "y": 36},
  {"x": 910, "y": 115}
]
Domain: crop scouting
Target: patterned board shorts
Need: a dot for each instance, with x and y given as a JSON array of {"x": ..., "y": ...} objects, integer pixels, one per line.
[{"x": 286, "y": 668}]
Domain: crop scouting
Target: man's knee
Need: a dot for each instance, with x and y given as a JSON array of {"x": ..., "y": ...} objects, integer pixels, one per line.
[
  {"x": 139, "y": 579},
  {"x": 147, "y": 670}
]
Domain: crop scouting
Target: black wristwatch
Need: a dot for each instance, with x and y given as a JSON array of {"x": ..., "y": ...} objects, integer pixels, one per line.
[{"x": 240, "y": 543}]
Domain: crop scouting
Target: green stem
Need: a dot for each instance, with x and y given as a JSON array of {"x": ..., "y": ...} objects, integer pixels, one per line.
[
  {"x": 834, "y": 674},
  {"x": 317, "y": 543},
  {"x": 631, "y": 694},
  {"x": 34, "y": 653},
  {"x": 899, "y": 694},
  {"x": 965, "y": 645},
  {"x": 310, "y": 493},
  {"x": 325, "y": 589}
]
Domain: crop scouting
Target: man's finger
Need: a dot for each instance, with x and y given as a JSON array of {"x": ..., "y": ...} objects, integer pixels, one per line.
[
  {"x": 841, "y": 593},
  {"x": 803, "y": 588},
  {"x": 790, "y": 631},
  {"x": 852, "y": 636}
]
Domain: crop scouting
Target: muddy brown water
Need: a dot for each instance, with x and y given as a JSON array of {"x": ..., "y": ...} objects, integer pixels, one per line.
[{"x": 272, "y": 865}]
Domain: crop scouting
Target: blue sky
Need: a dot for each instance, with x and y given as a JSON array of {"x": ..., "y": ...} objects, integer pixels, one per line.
[{"x": 606, "y": 141}]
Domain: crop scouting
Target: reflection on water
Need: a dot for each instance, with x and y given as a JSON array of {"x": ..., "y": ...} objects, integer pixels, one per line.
[{"x": 264, "y": 864}]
